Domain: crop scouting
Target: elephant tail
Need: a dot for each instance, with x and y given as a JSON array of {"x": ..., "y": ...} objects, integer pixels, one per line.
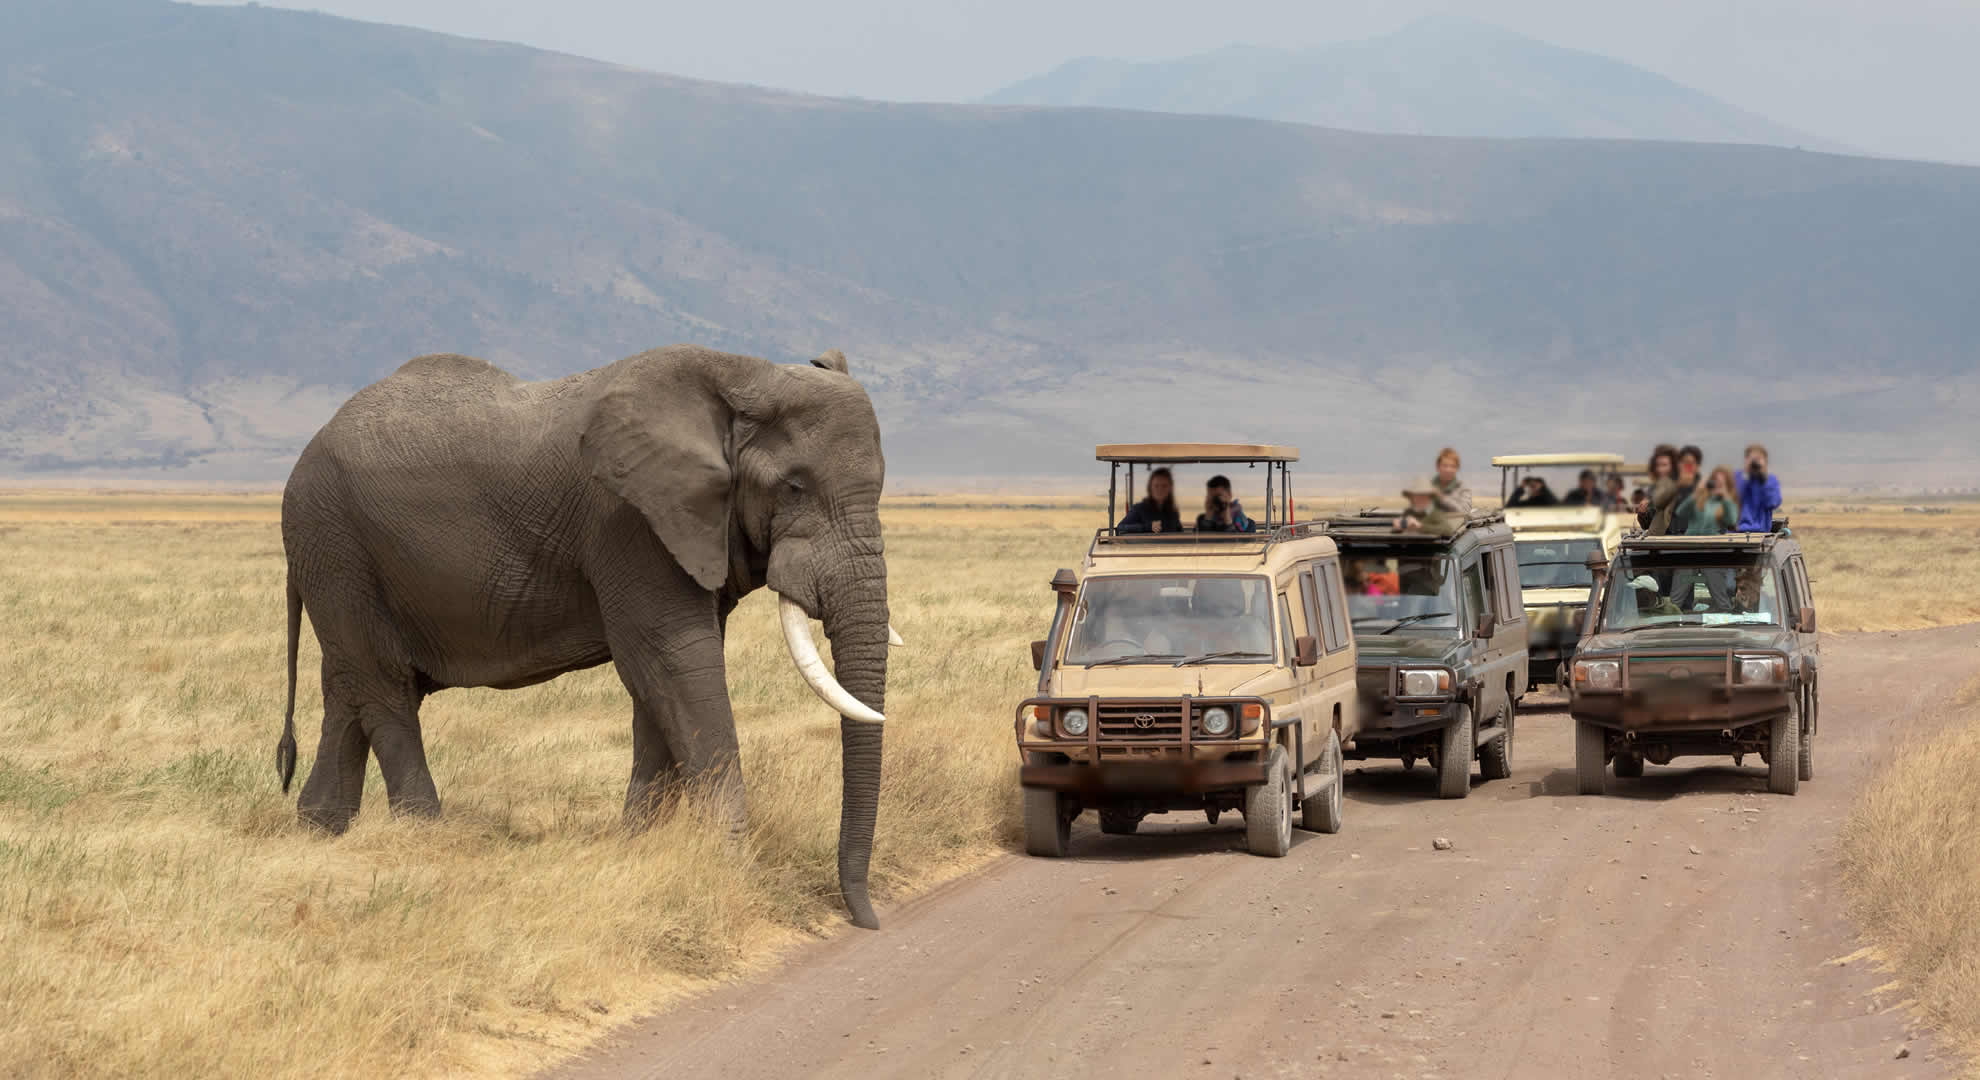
[{"x": 285, "y": 751}]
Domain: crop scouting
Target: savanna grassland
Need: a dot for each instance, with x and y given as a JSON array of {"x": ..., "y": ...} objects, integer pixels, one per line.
[{"x": 162, "y": 914}]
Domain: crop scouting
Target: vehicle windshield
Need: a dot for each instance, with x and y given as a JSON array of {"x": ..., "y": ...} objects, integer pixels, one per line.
[
  {"x": 1650, "y": 592},
  {"x": 1389, "y": 592},
  {"x": 1555, "y": 564},
  {"x": 1176, "y": 619}
]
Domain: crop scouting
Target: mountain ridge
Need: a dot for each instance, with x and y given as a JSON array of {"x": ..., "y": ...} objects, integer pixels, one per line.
[
  {"x": 213, "y": 230},
  {"x": 1438, "y": 75}
]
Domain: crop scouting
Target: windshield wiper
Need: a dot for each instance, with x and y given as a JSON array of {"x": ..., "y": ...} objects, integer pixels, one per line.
[
  {"x": 1135, "y": 659},
  {"x": 1419, "y": 617},
  {"x": 1225, "y": 655},
  {"x": 1650, "y": 626}
]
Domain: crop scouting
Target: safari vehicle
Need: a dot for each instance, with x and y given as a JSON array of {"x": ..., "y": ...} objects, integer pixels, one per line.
[
  {"x": 1698, "y": 646},
  {"x": 1442, "y": 643},
  {"x": 1192, "y": 671},
  {"x": 1553, "y": 544}
]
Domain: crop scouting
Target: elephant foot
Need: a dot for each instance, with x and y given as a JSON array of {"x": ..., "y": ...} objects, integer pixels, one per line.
[
  {"x": 416, "y": 808},
  {"x": 335, "y": 820}
]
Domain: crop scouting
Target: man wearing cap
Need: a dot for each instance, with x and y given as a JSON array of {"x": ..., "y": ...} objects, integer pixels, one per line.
[{"x": 1423, "y": 514}]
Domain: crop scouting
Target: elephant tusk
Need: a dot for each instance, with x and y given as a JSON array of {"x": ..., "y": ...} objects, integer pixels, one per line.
[
  {"x": 804, "y": 653},
  {"x": 894, "y": 636}
]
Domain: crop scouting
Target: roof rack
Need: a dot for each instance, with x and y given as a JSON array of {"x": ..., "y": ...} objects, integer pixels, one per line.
[
  {"x": 1371, "y": 523},
  {"x": 1638, "y": 540},
  {"x": 1193, "y": 453},
  {"x": 1506, "y": 461},
  {"x": 1189, "y": 542}
]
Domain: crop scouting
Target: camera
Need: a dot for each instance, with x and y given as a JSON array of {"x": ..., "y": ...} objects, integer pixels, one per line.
[{"x": 1755, "y": 469}]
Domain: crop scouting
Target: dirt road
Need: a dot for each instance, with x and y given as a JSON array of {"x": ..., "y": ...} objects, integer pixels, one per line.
[{"x": 1686, "y": 926}]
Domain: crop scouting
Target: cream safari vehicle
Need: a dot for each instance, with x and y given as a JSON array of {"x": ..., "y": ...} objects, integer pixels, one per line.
[
  {"x": 1553, "y": 544},
  {"x": 1186, "y": 670}
]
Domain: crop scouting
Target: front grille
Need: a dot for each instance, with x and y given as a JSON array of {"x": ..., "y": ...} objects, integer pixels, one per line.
[
  {"x": 1375, "y": 682},
  {"x": 1161, "y": 720},
  {"x": 1648, "y": 671}
]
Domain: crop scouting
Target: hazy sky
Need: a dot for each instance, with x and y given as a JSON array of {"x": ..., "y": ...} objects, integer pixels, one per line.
[{"x": 1888, "y": 76}]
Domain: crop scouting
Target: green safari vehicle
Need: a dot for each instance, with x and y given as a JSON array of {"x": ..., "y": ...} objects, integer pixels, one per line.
[{"x": 1697, "y": 646}]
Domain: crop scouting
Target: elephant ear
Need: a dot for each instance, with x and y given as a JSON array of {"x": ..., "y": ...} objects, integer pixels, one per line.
[
  {"x": 660, "y": 436},
  {"x": 832, "y": 360}
]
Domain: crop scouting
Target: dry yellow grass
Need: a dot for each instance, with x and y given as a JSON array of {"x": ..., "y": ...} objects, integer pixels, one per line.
[
  {"x": 1913, "y": 872},
  {"x": 160, "y": 913}
]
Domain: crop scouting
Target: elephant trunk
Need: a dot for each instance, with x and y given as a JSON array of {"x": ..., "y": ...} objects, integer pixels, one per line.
[{"x": 855, "y": 611}]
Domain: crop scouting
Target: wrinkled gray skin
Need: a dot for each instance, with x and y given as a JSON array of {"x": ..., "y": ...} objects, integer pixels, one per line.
[{"x": 453, "y": 526}]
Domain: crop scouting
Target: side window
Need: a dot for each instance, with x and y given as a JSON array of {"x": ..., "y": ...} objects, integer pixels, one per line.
[
  {"x": 1337, "y": 617},
  {"x": 1309, "y": 591},
  {"x": 1513, "y": 609},
  {"x": 1474, "y": 593},
  {"x": 1286, "y": 627},
  {"x": 1489, "y": 563}
]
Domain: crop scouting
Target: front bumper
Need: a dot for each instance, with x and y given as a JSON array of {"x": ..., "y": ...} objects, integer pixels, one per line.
[
  {"x": 1655, "y": 698},
  {"x": 1387, "y": 714},
  {"x": 1144, "y": 746}
]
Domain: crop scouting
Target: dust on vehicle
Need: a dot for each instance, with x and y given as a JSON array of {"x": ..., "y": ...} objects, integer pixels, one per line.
[
  {"x": 1441, "y": 637},
  {"x": 1553, "y": 544},
  {"x": 1698, "y": 646},
  {"x": 1205, "y": 671}
]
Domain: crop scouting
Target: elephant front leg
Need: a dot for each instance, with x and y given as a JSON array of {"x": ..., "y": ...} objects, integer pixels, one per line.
[
  {"x": 679, "y": 684},
  {"x": 653, "y": 771}
]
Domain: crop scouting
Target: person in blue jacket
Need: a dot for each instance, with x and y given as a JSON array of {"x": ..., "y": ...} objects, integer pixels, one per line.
[
  {"x": 1157, "y": 513},
  {"x": 1759, "y": 492}
]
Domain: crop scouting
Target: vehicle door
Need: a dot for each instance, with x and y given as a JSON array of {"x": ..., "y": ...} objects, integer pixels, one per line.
[
  {"x": 1807, "y": 658},
  {"x": 1331, "y": 694},
  {"x": 1328, "y": 692},
  {"x": 1489, "y": 662},
  {"x": 1511, "y": 635}
]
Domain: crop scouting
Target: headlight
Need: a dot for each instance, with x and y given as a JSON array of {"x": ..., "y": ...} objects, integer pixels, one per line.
[
  {"x": 1217, "y": 721},
  {"x": 1425, "y": 683},
  {"x": 1598, "y": 674},
  {"x": 1073, "y": 721},
  {"x": 1762, "y": 670}
]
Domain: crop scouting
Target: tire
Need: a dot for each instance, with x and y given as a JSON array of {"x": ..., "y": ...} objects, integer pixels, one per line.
[
  {"x": 1268, "y": 808},
  {"x": 1629, "y": 766},
  {"x": 1495, "y": 757},
  {"x": 1784, "y": 754},
  {"x": 1807, "y": 762},
  {"x": 1119, "y": 822},
  {"x": 1454, "y": 762},
  {"x": 1047, "y": 825},
  {"x": 1323, "y": 814},
  {"x": 1591, "y": 775}
]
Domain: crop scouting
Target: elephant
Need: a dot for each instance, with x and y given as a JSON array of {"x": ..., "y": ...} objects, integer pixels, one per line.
[{"x": 454, "y": 526}]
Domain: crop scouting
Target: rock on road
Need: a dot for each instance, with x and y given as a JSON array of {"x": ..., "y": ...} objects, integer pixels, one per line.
[{"x": 1687, "y": 925}]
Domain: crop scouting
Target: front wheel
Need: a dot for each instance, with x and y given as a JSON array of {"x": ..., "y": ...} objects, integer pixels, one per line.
[
  {"x": 1495, "y": 757},
  {"x": 1268, "y": 808},
  {"x": 1784, "y": 755},
  {"x": 1322, "y": 813},
  {"x": 1808, "y": 738},
  {"x": 1048, "y": 818},
  {"x": 1454, "y": 759},
  {"x": 1591, "y": 745}
]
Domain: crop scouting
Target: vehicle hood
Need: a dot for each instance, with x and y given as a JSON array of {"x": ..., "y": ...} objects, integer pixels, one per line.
[
  {"x": 1389, "y": 648},
  {"x": 1200, "y": 680},
  {"x": 1540, "y": 597},
  {"x": 1710, "y": 638}
]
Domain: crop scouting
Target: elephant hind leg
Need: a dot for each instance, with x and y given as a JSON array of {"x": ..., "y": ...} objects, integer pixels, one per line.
[
  {"x": 335, "y": 788},
  {"x": 654, "y": 771}
]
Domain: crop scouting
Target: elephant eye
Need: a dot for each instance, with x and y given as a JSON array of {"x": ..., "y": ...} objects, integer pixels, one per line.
[{"x": 794, "y": 483}]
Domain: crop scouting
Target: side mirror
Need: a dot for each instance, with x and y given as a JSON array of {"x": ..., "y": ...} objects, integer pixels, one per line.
[
  {"x": 1488, "y": 624},
  {"x": 1306, "y": 651},
  {"x": 1805, "y": 624},
  {"x": 1038, "y": 655}
]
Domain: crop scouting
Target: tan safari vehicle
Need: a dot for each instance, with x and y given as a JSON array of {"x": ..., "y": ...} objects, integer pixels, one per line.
[
  {"x": 1186, "y": 670},
  {"x": 1553, "y": 544}
]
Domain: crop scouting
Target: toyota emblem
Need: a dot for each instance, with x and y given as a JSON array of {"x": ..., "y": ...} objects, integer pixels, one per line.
[{"x": 1144, "y": 721}]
